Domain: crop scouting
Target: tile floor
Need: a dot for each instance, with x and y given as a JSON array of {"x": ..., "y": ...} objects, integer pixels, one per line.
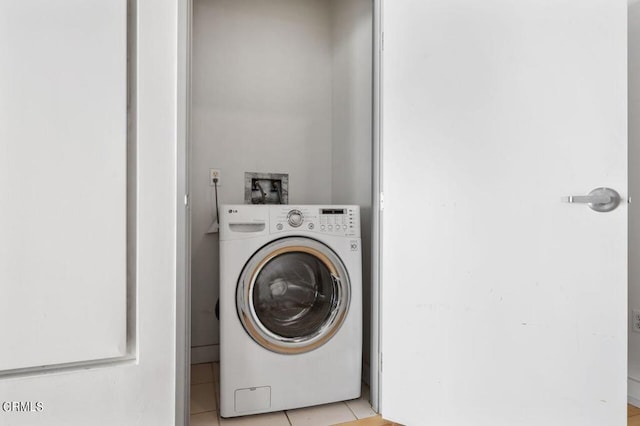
[{"x": 205, "y": 384}]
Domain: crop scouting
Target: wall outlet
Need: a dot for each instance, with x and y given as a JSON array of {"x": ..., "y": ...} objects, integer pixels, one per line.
[
  {"x": 214, "y": 174},
  {"x": 635, "y": 320}
]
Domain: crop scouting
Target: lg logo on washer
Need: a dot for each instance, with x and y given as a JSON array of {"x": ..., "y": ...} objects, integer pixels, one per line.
[{"x": 233, "y": 211}]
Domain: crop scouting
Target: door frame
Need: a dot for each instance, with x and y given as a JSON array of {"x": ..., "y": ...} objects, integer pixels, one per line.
[
  {"x": 183, "y": 218},
  {"x": 376, "y": 209}
]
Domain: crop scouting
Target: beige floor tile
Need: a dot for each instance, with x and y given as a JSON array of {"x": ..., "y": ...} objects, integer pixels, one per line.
[
  {"x": 201, "y": 373},
  {"x": 203, "y": 398},
  {"x": 205, "y": 419},
  {"x": 361, "y": 408},
  {"x": 268, "y": 419},
  {"x": 321, "y": 415}
]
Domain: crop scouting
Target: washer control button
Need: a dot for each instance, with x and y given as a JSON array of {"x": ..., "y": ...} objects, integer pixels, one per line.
[
  {"x": 295, "y": 218},
  {"x": 322, "y": 227},
  {"x": 311, "y": 225},
  {"x": 279, "y": 227},
  {"x": 330, "y": 227}
]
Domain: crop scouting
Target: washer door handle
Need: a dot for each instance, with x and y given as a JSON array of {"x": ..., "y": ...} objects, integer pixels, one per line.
[{"x": 602, "y": 200}]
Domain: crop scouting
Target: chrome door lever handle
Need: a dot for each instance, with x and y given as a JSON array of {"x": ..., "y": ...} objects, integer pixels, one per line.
[
  {"x": 600, "y": 199},
  {"x": 587, "y": 199}
]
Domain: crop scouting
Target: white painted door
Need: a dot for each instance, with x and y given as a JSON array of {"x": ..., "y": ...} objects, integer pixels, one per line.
[
  {"x": 63, "y": 264},
  {"x": 88, "y": 210},
  {"x": 502, "y": 305}
]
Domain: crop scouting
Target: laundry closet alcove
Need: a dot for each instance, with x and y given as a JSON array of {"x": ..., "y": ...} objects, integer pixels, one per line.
[{"x": 277, "y": 86}]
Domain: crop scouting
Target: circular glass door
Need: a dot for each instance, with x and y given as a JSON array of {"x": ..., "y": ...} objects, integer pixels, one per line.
[{"x": 293, "y": 295}]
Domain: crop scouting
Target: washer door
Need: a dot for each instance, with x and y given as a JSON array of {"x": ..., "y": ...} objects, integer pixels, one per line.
[{"x": 293, "y": 295}]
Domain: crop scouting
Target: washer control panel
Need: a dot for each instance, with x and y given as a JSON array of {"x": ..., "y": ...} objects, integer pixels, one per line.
[{"x": 336, "y": 220}]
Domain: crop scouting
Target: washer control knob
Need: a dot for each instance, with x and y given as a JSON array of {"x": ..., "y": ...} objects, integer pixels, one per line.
[{"x": 295, "y": 218}]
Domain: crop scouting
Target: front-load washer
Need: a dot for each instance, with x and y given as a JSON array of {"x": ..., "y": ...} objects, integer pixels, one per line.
[{"x": 290, "y": 307}]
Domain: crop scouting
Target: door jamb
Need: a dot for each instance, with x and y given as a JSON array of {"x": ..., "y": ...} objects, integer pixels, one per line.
[
  {"x": 377, "y": 206},
  {"x": 183, "y": 216}
]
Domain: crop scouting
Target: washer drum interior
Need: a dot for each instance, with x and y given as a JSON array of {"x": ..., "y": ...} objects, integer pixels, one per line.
[{"x": 293, "y": 295}]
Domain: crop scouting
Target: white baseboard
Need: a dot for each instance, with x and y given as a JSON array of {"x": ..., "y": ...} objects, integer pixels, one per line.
[
  {"x": 201, "y": 354},
  {"x": 633, "y": 391}
]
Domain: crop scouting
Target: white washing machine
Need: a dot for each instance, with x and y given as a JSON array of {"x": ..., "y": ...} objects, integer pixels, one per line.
[{"x": 290, "y": 307}]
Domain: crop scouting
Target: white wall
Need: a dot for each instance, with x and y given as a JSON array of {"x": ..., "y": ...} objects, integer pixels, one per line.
[
  {"x": 140, "y": 392},
  {"x": 634, "y": 185},
  {"x": 262, "y": 90},
  {"x": 278, "y": 86},
  {"x": 352, "y": 26}
]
